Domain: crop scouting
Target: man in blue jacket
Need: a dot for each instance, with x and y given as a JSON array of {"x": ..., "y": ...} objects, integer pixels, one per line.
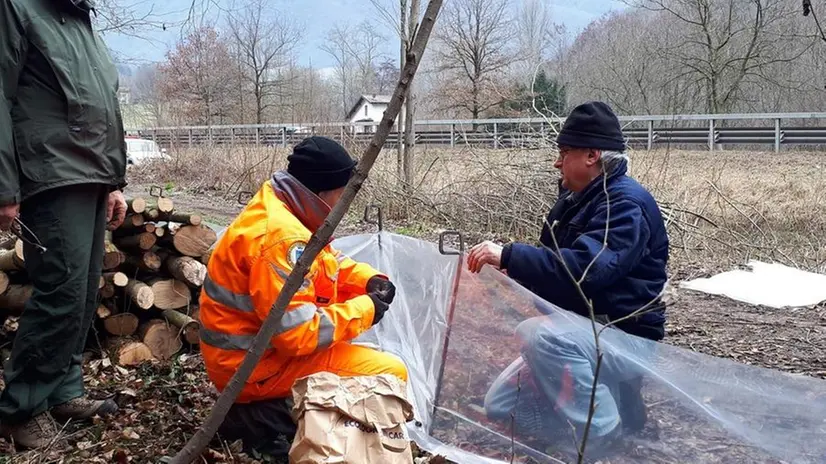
[{"x": 623, "y": 276}]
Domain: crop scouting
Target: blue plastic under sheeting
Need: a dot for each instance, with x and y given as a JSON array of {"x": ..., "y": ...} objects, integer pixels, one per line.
[{"x": 507, "y": 346}]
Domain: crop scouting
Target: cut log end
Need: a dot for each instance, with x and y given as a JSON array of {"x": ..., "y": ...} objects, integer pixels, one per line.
[
  {"x": 118, "y": 279},
  {"x": 15, "y": 297},
  {"x": 140, "y": 294},
  {"x": 165, "y": 205},
  {"x": 121, "y": 324},
  {"x": 170, "y": 294},
  {"x": 128, "y": 352},
  {"x": 194, "y": 241},
  {"x": 187, "y": 270},
  {"x": 136, "y": 205},
  {"x": 161, "y": 338},
  {"x": 143, "y": 241},
  {"x": 103, "y": 312}
]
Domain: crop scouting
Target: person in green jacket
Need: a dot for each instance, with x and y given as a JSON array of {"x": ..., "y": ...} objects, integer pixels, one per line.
[{"x": 62, "y": 171}]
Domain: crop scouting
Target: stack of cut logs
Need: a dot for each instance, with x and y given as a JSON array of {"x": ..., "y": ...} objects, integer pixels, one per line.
[{"x": 153, "y": 268}]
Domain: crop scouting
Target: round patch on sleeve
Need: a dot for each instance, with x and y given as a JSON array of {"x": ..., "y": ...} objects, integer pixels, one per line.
[{"x": 295, "y": 251}]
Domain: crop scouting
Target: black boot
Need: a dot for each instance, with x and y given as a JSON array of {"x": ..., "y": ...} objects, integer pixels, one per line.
[
  {"x": 633, "y": 411},
  {"x": 265, "y": 427}
]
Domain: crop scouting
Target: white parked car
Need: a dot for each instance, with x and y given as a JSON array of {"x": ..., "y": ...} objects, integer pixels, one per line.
[{"x": 141, "y": 150}]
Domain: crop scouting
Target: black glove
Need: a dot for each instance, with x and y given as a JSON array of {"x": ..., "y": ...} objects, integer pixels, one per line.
[
  {"x": 382, "y": 288},
  {"x": 380, "y": 307}
]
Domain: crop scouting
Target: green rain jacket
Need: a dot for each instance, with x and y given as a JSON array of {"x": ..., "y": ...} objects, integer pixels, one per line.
[{"x": 60, "y": 123}]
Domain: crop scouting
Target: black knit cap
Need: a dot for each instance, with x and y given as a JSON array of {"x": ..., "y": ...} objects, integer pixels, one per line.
[
  {"x": 592, "y": 125},
  {"x": 321, "y": 164}
]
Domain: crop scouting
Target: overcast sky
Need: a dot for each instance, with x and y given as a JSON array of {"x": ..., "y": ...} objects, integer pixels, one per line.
[{"x": 316, "y": 17}]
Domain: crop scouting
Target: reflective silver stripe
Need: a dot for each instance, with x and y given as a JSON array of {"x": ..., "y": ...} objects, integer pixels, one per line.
[
  {"x": 227, "y": 297},
  {"x": 284, "y": 275},
  {"x": 296, "y": 317},
  {"x": 225, "y": 341},
  {"x": 326, "y": 330}
]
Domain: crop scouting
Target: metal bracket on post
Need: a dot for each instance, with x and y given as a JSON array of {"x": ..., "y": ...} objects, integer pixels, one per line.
[
  {"x": 376, "y": 220},
  {"x": 451, "y": 233},
  {"x": 156, "y": 191},
  {"x": 244, "y": 197},
  {"x": 450, "y": 310}
]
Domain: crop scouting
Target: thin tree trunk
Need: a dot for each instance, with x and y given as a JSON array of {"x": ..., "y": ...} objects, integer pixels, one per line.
[
  {"x": 195, "y": 446},
  {"x": 410, "y": 110},
  {"x": 404, "y": 39}
]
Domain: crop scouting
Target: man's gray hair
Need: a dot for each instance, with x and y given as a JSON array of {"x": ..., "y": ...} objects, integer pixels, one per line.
[{"x": 610, "y": 159}]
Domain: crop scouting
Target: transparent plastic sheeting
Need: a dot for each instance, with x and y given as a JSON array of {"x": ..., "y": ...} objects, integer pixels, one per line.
[{"x": 700, "y": 408}]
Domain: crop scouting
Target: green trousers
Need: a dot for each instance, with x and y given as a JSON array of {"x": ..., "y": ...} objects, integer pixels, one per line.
[{"x": 47, "y": 355}]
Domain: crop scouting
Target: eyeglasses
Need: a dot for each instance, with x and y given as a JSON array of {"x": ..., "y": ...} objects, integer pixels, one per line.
[{"x": 18, "y": 229}]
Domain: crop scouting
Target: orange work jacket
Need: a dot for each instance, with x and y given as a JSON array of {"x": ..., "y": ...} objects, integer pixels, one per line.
[{"x": 248, "y": 268}]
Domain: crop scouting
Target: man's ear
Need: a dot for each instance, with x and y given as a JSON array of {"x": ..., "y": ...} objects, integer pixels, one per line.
[{"x": 593, "y": 157}]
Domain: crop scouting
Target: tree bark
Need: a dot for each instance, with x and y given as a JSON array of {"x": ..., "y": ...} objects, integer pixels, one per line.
[
  {"x": 161, "y": 338},
  {"x": 410, "y": 110},
  {"x": 148, "y": 261},
  {"x": 107, "y": 291},
  {"x": 15, "y": 297},
  {"x": 318, "y": 240},
  {"x": 188, "y": 326},
  {"x": 188, "y": 219},
  {"x": 404, "y": 40},
  {"x": 112, "y": 257},
  {"x": 143, "y": 241},
  {"x": 187, "y": 270}
]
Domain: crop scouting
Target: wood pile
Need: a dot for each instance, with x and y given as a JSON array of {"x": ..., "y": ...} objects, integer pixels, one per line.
[{"x": 153, "y": 268}]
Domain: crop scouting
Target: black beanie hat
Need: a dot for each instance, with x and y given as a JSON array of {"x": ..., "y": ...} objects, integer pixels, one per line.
[
  {"x": 321, "y": 164},
  {"x": 592, "y": 125}
]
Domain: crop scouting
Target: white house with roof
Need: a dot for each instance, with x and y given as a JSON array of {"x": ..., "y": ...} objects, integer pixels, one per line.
[{"x": 368, "y": 108}]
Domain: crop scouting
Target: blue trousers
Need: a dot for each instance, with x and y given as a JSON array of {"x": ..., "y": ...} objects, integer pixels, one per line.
[{"x": 549, "y": 386}]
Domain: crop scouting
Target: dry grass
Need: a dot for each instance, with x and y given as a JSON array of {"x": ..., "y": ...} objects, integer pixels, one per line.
[{"x": 723, "y": 208}]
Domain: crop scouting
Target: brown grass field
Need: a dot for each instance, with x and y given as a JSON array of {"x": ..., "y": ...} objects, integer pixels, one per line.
[{"x": 723, "y": 208}]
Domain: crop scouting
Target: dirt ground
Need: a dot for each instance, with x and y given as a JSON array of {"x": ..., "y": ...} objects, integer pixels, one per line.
[{"x": 162, "y": 405}]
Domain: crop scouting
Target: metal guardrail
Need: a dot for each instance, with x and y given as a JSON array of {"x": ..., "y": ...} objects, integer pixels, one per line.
[{"x": 641, "y": 131}]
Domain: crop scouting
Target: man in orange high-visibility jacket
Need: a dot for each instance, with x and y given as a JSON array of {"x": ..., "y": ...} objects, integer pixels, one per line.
[{"x": 339, "y": 299}]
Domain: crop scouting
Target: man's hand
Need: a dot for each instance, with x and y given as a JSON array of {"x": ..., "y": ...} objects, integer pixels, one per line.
[
  {"x": 115, "y": 210},
  {"x": 382, "y": 288},
  {"x": 484, "y": 253},
  {"x": 7, "y": 215}
]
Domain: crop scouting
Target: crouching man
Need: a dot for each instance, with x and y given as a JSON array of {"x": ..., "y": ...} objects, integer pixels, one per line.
[
  {"x": 624, "y": 275},
  {"x": 339, "y": 299}
]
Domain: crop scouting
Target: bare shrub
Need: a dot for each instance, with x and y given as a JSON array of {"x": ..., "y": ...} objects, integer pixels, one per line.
[{"x": 722, "y": 208}]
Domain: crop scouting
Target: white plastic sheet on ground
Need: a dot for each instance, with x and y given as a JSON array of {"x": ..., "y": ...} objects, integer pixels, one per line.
[
  {"x": 701, "y": 409},
  {"x": 773, "y": 285}
]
